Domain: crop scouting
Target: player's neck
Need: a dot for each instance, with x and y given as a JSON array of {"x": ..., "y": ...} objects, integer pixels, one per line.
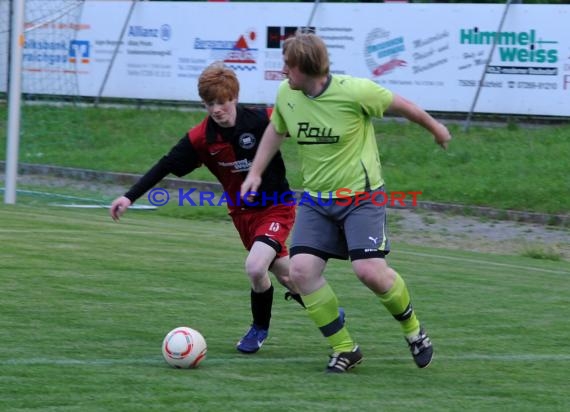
[{"x": 317, "y": 86}]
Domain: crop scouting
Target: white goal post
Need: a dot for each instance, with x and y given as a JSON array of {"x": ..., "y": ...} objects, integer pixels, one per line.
[{"x": 14, "y": 93}]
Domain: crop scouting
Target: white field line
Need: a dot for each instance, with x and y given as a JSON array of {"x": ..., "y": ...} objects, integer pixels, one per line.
[
  {"x": 81, "y": 233},
  {"x": 101, "y": 206},
  {"x": 482, "y": 261},
  {"x": 32, "y": 232},
  {"x": 529, "y": 357}
]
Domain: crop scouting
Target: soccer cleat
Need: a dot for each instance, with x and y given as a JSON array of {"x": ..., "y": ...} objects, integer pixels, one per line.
[
  {"x": 252, "y": 340},
  {"x": 341, "y": 362},
  {"x": 421, "y": 348}
]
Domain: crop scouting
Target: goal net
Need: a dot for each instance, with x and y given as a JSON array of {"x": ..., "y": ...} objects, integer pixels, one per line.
[{"x": 51, "y": 113}]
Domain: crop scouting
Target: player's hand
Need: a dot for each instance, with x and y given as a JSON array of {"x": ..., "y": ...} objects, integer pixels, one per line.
[
  {"x": 442, "y": 136},
  {"x": 249, "y": 187},
  {"x": 118, "y": 207}
]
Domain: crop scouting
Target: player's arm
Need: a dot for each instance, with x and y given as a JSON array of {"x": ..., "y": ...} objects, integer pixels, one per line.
[
  {"x": 416, "y": 114},
  {"x": 268, "y": 147},
  {"x": 181, "y": 160},
  {"x": 154, "y": 175}
]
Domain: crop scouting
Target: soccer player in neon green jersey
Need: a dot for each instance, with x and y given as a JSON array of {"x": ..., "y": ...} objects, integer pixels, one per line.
[{"x": 330, "y": 118}]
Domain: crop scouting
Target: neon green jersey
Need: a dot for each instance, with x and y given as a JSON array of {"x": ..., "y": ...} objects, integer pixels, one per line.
[{"x": 334, "y": 132}]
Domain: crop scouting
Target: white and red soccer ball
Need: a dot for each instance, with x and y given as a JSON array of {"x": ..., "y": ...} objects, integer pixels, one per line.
[{"x": 184, "y": 348}]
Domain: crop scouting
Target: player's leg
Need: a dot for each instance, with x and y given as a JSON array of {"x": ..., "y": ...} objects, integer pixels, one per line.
[
  {"x": 315, "y": 239},
  {"x": 391, "y": 288},
  {"x": 365, "y": 230},
  {"x": 261, "y": 293},
  {"x": 273, "y": 226},
  {"x": 261, "y": 297},
  {"x": 280, "y": 268},
  {"x": 264, "y": 234}
]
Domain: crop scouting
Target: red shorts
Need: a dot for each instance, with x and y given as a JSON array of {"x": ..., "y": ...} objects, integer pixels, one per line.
[{"x": 270, "y": 225}]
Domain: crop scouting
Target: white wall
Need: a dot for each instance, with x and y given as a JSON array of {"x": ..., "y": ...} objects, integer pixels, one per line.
[{"x": 433, "y": 54}]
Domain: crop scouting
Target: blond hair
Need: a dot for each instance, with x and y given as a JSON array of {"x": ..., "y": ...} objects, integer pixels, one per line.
[{"x": 307, "y": 52}]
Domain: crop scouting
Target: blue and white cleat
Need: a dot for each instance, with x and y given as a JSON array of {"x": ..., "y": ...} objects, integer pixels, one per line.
[{"x": 252, "y": 340}]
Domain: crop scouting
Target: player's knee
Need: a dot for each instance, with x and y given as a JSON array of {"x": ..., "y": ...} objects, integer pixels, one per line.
[
  {"x": 299, "y": 274},
  {"x": 255, "y": 270},
  {"x": 373, "y": 271},
  {"x": 284, "y": 280}
]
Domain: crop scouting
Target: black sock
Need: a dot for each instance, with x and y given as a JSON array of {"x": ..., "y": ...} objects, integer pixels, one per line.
[
  {"x": 261, "y": 304},
  {"x": 295, "y": 296}
]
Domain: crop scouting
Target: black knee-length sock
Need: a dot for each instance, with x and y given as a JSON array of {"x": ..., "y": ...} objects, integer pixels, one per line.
[{"x": 261, "y": 304}]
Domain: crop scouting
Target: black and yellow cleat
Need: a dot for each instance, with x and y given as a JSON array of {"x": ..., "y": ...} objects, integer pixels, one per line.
[
  {"x": 421, "y": 348},
  {"x": 341, "y": 362}
]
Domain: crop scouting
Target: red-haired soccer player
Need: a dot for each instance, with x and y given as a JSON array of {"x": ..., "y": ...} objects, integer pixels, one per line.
[{"x": 226, "y": 142}]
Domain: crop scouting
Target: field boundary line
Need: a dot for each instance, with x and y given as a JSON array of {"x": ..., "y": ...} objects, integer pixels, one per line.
[
  {"x": 169, "y": 183},
  {"x": 481, "y": 261}
]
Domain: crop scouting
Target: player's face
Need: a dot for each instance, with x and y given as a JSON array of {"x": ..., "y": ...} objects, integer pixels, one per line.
[
  {"x": 224, "y": 114},
  {"x": 297, "y": 80}
]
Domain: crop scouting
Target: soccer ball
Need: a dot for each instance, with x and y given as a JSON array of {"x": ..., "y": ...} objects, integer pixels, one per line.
[{"x": 184, "y": 348}]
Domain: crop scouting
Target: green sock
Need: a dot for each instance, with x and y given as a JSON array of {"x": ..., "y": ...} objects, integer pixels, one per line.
[
  {"x": 322, "y": 307},
  {"x": 397, "y": 301}
]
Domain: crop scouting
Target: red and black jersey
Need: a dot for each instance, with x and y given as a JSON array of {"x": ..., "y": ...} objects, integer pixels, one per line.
[{"x": 226, "y": 152}]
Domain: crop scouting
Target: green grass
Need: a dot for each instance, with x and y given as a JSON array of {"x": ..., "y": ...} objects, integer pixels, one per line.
[
  {"x": 86, "y": 303},
  {"x": 506, "y": 167},
  {"x": 542, "y": 252}
]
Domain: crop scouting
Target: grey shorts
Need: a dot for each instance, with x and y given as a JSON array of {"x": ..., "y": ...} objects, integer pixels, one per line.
[{"x": 327, "y": 229}]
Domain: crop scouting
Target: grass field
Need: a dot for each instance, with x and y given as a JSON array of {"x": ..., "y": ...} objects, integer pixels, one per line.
[{"x": 86, "y": 303}]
